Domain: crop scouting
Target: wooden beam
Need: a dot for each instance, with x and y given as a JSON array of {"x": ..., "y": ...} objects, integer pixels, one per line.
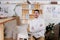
[{"x": 54, "y": 3}]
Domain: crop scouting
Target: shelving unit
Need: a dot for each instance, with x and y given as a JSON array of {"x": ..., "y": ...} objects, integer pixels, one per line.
[
  {"x": 25, "y": 12},
  {"x": 26, "y": 16}
]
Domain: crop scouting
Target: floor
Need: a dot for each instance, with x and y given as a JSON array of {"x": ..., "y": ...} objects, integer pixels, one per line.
[{"x": 9, "y": 39}]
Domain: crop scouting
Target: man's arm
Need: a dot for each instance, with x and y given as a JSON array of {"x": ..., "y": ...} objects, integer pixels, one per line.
[{"x": 42, "y": 26}]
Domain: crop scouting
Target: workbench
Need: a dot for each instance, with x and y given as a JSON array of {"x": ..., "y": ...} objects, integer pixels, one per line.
[{"x": 2, "y": 23}]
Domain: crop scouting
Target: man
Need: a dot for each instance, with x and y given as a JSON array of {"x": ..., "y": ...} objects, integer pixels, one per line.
[{"x": 37, "y": 27}]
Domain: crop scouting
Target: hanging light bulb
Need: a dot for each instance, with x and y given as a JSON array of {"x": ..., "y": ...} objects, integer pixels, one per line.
[{"x": 28, "y": 2}]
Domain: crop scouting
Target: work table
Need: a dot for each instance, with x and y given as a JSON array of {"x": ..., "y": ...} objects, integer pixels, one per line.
[
  {"x": 2, "y": 22},
  {"x": 6, "y": 20}
]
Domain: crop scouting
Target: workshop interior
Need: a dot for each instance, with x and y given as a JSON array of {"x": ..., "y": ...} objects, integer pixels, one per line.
[{"x": 16, "y": 15}]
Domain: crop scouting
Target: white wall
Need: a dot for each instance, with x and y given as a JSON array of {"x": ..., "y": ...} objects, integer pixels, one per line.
[
  {"x": 12, "y": 0},
  {"x": 10, "y": 8},
  {"x": 31, "y": 1},
  {"x": 49, "y": 15}
]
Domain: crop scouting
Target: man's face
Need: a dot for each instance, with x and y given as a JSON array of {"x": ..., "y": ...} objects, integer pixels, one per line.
[{"x": 36, "y": 14}]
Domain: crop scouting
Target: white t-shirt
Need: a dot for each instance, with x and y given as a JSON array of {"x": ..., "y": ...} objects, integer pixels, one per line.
[{"x": 37, "y": 27}]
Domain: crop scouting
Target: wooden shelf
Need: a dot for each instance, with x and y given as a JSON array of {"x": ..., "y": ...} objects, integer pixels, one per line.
[
  {"x": 26, "y": 9},
  {"x": 25, "y": 6},
  {"x": 35, "y": 6},
  {"x": 31, "y": 16},
  {"x": 25, "y": 12}
]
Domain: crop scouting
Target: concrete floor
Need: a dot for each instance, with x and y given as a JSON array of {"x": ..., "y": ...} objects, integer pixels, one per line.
[{"x": 9, "y": 39}]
